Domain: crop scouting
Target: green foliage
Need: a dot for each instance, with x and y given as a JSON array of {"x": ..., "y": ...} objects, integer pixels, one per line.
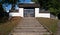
[
  {"x": 3, "y": 14},
  {"x": 35, "y": 1},
  {"x": 52, "y": 5},
  {"x": 13, "y": 2},
  {"x": 54, "y": 11}
]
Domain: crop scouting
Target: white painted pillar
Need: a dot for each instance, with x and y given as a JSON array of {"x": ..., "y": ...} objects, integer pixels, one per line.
[
  {"x": 21, "y": 10},
  {"x": 36, "y": 12}
]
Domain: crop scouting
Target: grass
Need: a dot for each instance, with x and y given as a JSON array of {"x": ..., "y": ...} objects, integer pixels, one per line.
[
  {"x": 51, "y": 24},
  {"x": 5, "y": 28}
]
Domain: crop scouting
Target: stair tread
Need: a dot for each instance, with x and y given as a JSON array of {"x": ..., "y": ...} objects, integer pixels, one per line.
[
  {"x": 30, "y": 30},
  {"x": 30, "y": 26},
  {"x": 31, "y": 33}
]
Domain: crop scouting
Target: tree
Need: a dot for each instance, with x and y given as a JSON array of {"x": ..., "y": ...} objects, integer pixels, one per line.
[
  {"x": 55, "y": 6},
  {"x": 12, "y": 2},
  {"x": 3, "y": 14},
  {"x": 43, "y": 3},
  {"x": 52, "y": 5}
]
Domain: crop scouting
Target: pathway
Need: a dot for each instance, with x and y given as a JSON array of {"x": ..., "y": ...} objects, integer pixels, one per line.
[{"x": 29, "y": 26}]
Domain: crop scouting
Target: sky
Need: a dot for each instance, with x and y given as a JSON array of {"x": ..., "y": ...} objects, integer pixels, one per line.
[
  {"x": 25, "y": 0},
  {"x": 7, "y": 8}
]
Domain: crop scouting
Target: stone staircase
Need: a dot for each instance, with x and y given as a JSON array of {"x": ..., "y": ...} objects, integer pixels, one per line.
[{"x": 29, "y": 26}]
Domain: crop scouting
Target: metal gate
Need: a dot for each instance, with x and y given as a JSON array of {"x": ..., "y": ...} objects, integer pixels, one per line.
[{"x": 29, "y": 13}]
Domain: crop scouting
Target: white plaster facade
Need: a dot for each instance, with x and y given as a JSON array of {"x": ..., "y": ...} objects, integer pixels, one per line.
[
  {"x": 37, "y": 14},
  {"x": 20, "y": 13}
]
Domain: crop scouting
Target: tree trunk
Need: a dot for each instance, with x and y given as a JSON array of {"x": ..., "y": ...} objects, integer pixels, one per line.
[{"x": 13, "y": 7}]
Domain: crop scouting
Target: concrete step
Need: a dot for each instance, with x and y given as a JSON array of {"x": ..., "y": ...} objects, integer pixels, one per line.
[
  {"x": 31, "y": 33},
  {"x": 30, "y": 23},
  {"x": 30, "y": 27},
  {"x": 31, "y": 30}
]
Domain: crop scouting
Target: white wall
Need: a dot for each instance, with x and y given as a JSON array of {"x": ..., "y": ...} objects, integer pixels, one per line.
[
  {"x": 21, "y": 10},
  {"x": 37, "y": 14},
  {"x": 13, "y": 14},
  {"x": 20, "y": 13}
]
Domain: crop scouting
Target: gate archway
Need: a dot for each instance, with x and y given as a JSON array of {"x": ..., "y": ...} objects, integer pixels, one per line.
[{"x": 29, "y": 12}]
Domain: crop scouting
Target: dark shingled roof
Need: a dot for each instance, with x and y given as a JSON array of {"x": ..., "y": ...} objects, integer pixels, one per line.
[
  {"x": 29, "y": 5},
  {"x": 21, "y": 5}
]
